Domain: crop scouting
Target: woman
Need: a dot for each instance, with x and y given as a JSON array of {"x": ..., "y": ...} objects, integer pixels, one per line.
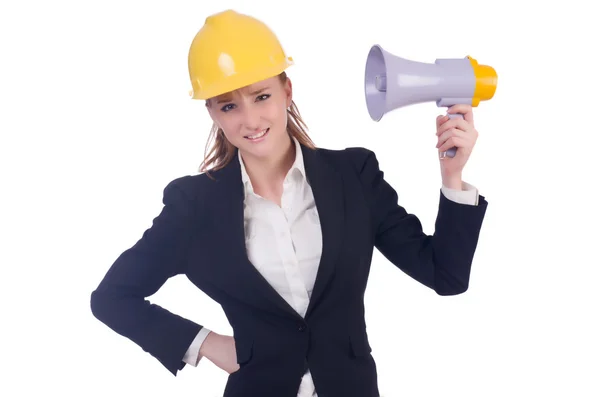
[{"x": 281, "y": 234}]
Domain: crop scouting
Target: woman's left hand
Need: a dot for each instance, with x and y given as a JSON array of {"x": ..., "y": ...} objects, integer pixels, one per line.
[{"x": 458, "y": 133}]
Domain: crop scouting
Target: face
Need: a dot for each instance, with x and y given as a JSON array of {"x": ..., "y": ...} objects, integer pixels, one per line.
[{"x": 254, "y": 118}]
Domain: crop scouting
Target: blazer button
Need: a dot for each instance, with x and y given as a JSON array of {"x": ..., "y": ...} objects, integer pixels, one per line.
[{"x": 301, "y": 327}]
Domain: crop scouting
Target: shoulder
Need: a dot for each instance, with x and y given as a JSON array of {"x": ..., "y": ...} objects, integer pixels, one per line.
[
  {"x": 187, "y": 190},
  {"x": 185, "y": 198},
  {"x": 357, "y": 157},
  {"x": 188, "y": 184}
]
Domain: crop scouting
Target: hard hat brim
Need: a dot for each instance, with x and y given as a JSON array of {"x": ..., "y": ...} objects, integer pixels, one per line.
[{"x": 240, "y": 80}]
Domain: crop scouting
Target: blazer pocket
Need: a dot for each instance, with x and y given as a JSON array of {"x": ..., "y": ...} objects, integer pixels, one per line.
[
  {"x": 244, "y": 350},
  {"x": 359, "y": 343}
]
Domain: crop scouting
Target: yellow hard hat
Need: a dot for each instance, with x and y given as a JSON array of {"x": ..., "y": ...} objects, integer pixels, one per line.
[{"x": 231, "y": 51}]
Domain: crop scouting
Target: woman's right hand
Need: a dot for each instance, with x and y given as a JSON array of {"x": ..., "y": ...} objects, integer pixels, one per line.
[{"x": 220, "y": 350}]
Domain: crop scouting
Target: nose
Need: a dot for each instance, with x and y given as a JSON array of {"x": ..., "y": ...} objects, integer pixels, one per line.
[{"x": 251, "y": 118}]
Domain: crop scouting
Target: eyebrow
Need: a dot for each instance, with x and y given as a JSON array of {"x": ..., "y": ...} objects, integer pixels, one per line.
[
  {"x": 255, "y": 92},
  {"x": 259, "y": 91}
]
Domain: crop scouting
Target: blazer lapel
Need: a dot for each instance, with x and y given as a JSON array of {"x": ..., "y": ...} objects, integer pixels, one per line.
[
  {"x": 243, "y": 278},
  {"x": 327, "y": 187}
]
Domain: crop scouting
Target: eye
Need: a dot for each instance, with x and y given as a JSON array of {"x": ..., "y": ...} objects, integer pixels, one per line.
[
  {"x": 264, "y": 96},
  {"x": 227, "y": 108}
]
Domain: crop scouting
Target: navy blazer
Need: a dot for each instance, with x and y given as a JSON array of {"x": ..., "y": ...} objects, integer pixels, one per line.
[{"x": 200, "y": 233}]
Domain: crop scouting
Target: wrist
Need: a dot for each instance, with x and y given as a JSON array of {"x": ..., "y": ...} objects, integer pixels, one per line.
[
  {"x": 452, "y": 181},
  {"x": 205, "y": 348}
]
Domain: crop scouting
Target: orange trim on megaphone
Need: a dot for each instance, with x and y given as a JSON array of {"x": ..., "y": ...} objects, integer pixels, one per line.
[{"x": 486, "y": 80}]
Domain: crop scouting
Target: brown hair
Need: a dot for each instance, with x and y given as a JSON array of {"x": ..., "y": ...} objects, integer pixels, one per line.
[{"x": 222, "y": 151}]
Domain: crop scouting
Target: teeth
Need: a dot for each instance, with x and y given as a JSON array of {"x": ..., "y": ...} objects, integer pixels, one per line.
[{"x": 263, "y": 132}]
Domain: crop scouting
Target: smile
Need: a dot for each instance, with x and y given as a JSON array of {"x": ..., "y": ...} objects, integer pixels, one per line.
[{"x": 257, "y": 136}]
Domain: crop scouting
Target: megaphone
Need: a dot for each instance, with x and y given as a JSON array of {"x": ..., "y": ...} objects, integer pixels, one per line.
[{"x": 392, "y": 82}]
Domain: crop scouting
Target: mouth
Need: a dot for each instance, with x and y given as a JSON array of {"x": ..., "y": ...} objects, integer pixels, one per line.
[{"x": 258, "y": 136}]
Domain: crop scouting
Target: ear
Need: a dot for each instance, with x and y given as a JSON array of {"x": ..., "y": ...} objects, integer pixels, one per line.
[{"x": 288, "y": 92}]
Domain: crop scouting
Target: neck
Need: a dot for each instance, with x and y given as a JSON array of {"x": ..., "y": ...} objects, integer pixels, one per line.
[{"x": 271, "y": 170}]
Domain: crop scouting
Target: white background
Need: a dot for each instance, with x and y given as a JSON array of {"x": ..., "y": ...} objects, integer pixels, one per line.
[{"x": 96, "y": 119}]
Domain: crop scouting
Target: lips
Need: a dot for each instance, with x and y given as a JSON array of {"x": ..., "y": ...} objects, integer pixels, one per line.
[{"x": 257, "y": 135}]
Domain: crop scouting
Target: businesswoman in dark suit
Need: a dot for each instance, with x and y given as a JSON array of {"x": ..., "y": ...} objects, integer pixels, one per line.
[{"x": 281, "y": 234}]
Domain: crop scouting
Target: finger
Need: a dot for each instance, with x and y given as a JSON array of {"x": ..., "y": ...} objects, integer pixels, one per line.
[
  {"x": 441, "y": 119},
  {"x": 448, "y": 134},
  {"x": 452, "y": 142},
  {"x": 459, "y": 108},
  {"x": 447, "y": 146},
  {"x": 455, "y": 123},
  {"x": 464, "y": 109},
  {"x": 459, "y": 123}
]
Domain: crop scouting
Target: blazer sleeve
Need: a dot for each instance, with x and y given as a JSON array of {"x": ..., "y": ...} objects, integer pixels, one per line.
[
  {"x": 120, "y": 301},
  {"x": 441, "y": 261}
]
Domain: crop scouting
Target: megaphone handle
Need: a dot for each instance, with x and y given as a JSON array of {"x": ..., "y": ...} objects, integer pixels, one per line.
[{"x": 452, "y": 151}]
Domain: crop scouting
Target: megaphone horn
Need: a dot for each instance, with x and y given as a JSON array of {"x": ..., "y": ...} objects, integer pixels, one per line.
[{"x": 393, "y": 82}]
